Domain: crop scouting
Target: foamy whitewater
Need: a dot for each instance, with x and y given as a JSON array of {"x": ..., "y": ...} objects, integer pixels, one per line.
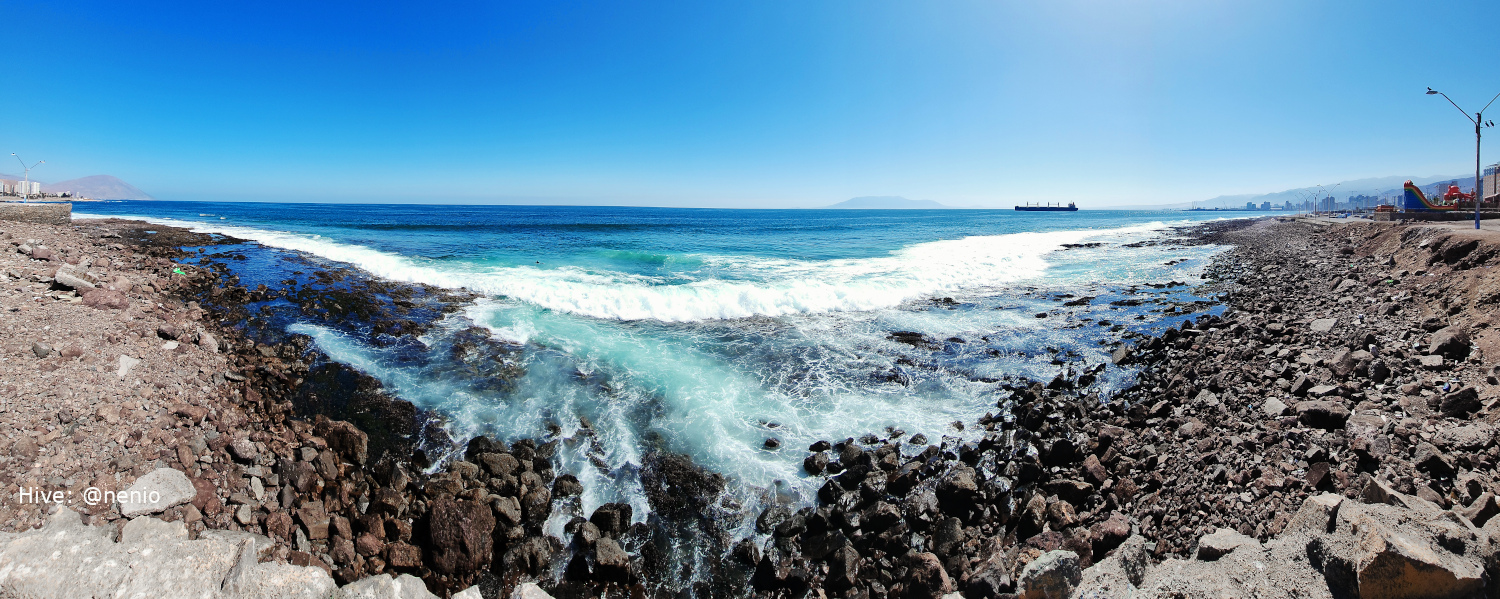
[{"x": 707, "y": 332}]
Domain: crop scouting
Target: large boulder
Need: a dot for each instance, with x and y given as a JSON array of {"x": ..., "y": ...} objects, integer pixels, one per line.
[
  {"x": 1222, "y": 542},
  {"x": 1481, "y": 510},
  {"x": 925, "y": 577},
  {"x": 1451, "y": 342},
  {"x": 610, "y": 560},
  {"x": 1327, "y": 415},
  {"x": 383, "y": 586},
  {"x": 1105, "y": 536},
  {"x": 1400, "y": 546},
  {"x": 72, "y": 280},
  {"x": 1393, "y": 564},
  {"x": 1428, "y": 459},
  {"x": 1054, "y": 575},
  {"x": 105, "y": 299},
  {"x": 525, "y": 590},
  {"x": 461, "y": 533},
  {"x": 1119, "y": 575},
  {"x": 151, "y": 559},
  {"x": 843, "y": 568},
  {"x": 1460, "y": 403},
  {"x": 1469, "y": 438},
  {"x": 345, "y": 438},
  {"x": 990, "y": 579},
  {"x": 155, "y": 492},
  {"x": 612, "y": 518},
  {"x": 1393, "y": 545}
]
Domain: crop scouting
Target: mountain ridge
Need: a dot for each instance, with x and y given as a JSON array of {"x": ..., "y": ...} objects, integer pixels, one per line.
[
  {"x": 1372, "y": 186},
  {"x": 94, "y": 187}
]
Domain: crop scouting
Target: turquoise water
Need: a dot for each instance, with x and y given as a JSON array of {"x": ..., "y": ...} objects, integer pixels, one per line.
[{"x": 710, "y": 331}]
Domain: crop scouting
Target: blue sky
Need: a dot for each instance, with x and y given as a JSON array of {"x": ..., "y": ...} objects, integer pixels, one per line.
[{"x": 743, "y": 104}]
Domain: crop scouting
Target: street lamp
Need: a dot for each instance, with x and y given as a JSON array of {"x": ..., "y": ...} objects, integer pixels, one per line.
[
  {"x": 1332, "y": 203},
  {"x": 26, "y": 181},
  {"x": 1479, "y": 124}
]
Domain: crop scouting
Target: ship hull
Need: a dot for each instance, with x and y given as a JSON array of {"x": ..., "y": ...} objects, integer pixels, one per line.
[{"x": 1046, "y": 208}]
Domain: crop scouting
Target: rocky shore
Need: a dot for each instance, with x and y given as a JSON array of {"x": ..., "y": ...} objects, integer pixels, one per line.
[
  {"x": 1341, "y": 401},
  {"x": 1350, "y": 365},
  {"x": 126, "y": 374}
]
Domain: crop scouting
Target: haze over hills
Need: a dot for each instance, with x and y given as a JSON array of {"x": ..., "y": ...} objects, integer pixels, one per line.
[
  {"x": 886, "y": 203},
  {"x": 96, "y": 187},
  {"x": 1374, "y": 186}
]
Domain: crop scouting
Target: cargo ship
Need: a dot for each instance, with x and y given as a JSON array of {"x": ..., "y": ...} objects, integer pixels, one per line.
[{"x": 1058, "y": 208}]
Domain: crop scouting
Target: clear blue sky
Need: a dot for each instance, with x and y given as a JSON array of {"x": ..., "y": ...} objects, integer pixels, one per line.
[{"x": 765, "y": 103}]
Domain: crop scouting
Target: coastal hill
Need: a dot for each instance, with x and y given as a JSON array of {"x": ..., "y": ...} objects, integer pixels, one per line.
[
  {"x": 98, "y": 187},
  {"x": 886, "y": 203},
  {"x": 1374, "y": 186},
  {"x": 94, "y": 187}
]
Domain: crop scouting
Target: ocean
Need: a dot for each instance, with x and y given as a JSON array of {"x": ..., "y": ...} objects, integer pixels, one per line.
[{"x": 708, "y": 332}]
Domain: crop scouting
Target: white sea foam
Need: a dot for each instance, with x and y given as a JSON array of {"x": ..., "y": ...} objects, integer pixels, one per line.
[{"x": 765, "y": 287}]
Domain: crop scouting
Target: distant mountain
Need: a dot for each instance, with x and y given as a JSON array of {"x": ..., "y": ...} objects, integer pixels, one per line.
[
  {"x": 886, "y": 203},
  {"x": 98, "y": 187}
]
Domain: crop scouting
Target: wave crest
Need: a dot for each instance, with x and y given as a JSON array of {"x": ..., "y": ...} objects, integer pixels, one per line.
[{"x": 765, "y": 287}]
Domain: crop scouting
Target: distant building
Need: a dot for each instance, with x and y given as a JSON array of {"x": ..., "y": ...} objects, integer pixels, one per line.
[
  {"x": 1265, "y": 205},
  {"x": 28, "y": 188},
  {"x": 1492, "y": 183}
]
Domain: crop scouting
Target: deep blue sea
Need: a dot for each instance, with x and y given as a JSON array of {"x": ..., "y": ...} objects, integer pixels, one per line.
[{"x": 714, "y": 330}]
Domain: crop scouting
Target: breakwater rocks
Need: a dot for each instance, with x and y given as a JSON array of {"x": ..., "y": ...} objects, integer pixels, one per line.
[{"x": 1350, "y": 362}]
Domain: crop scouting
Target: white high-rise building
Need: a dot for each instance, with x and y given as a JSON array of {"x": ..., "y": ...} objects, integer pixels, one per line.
[{"x": 28, "y": 188}]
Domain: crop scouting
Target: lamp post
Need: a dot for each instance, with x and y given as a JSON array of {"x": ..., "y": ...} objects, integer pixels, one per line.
[
  {"x": 1479, "y": 125},
  {"x": 26, "y": 180},
  {"x": 1332, "y": 203}
]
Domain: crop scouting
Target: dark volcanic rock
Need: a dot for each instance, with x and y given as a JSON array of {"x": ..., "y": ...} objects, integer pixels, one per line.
[
  {"x": 925, "y": 577},
  {"x": 1428, "y": 459},
  {"x": 612, "y": 518},
  {"x": 461, "y": 535},
  {"x": 1451, "y": 342},
  {"x": 676, "y": 487},
  {"x": 612, "y": 562},
  {"x": 1328, "y": 415},
  {"x": 1461, "y": 403}
]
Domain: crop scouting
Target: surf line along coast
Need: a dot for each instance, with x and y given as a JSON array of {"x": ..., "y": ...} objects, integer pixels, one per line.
[{"x": 1236, "y": 423}]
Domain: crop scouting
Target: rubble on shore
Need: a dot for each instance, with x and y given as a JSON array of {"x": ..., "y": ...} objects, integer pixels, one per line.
[
  {"x": 1350, "y": 362},
  {"x": 116, "y": 380},
  {"x": 1334, "y": 425}
]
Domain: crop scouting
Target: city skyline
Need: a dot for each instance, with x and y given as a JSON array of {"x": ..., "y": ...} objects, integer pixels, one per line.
[{"x": 743, "y": 105}]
